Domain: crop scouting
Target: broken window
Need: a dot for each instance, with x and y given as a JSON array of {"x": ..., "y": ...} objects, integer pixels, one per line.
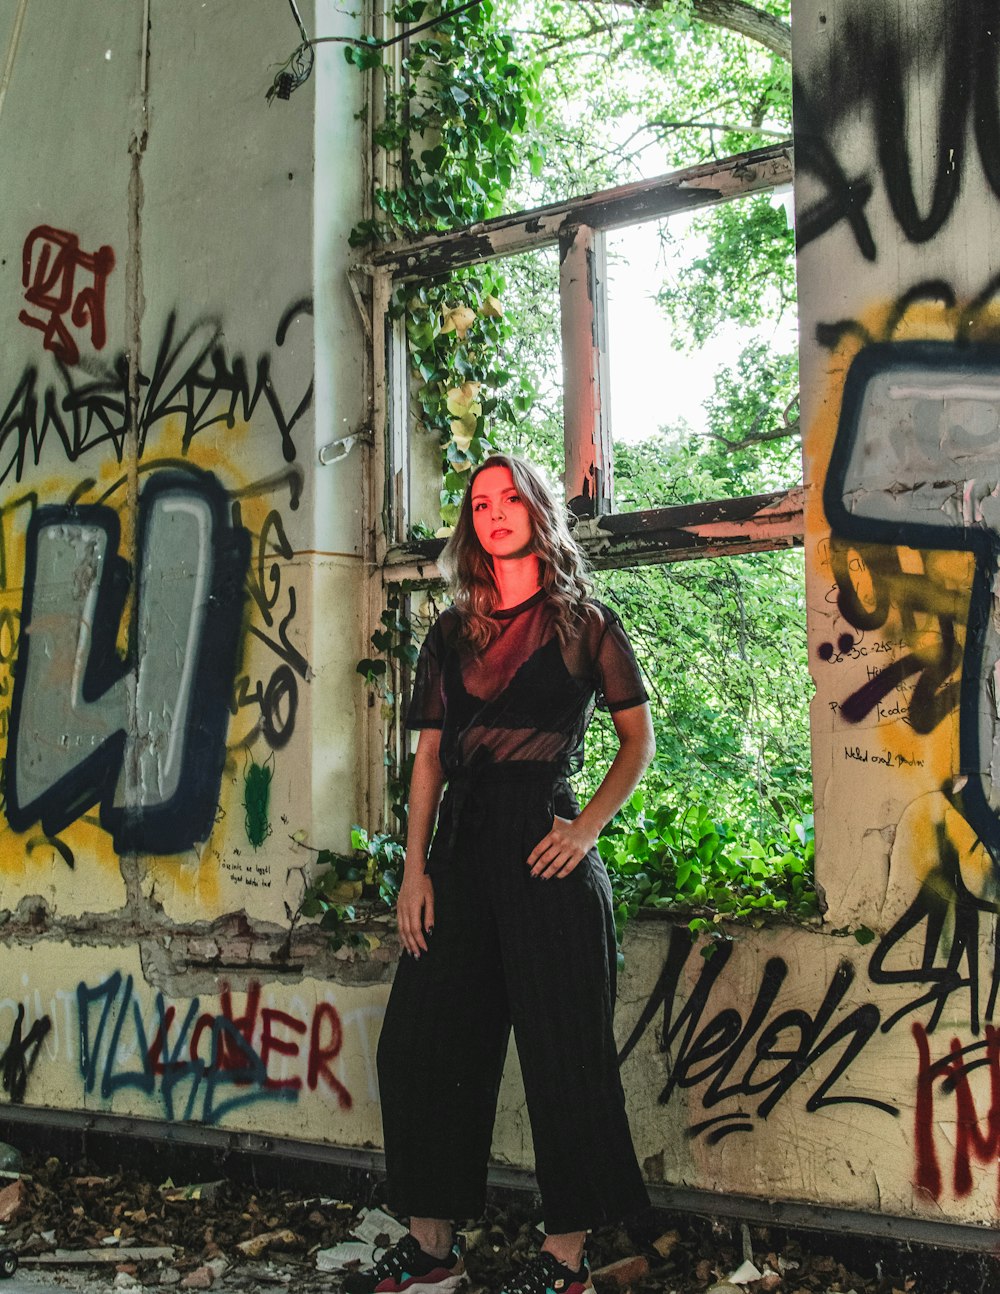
[
  {"x": 692, "y": 521},
  {"x": 721, "y": 638}
]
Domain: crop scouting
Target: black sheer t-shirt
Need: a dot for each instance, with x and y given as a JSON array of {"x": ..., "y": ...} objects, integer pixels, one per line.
[{"x": 526, "y": 697}]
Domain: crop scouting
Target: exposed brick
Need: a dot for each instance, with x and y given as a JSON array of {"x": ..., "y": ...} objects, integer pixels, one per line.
[
  {"x": 235, "y": 950},
  {"x": 204, "y": 950}
]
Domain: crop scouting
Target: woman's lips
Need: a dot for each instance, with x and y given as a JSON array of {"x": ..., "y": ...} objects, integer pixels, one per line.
[{"x": 498, "y": 534}]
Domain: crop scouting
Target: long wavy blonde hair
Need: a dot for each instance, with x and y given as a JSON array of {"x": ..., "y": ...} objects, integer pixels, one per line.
[{"x": 469, "y": 570}]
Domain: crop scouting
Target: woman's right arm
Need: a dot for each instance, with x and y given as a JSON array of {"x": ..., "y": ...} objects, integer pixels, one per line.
[{"x": 415, "y": 906}]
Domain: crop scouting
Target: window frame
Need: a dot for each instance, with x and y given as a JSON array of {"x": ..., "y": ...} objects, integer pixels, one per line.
[{"x": 713, "y": 528}]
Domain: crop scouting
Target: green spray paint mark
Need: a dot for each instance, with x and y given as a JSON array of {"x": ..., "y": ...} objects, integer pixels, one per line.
[{"x": 256, "y": 795}]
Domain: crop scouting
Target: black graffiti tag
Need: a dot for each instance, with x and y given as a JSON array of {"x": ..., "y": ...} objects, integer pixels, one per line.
[
  {"x": 754, "y": 1058},
  {"x": 967, "y": 49},
  {"x": 20, "y": 1055},
  {"x": 193, "y": 374}
]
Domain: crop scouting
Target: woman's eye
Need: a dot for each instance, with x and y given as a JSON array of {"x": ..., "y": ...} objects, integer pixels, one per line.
[{"x": 514, "y": 498}]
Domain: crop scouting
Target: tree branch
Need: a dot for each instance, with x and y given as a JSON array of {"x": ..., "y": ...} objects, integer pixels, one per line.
[
  {"x": 788, "y": 427},
  {"x": 561, "y": 42},
  {"x": 738, "y": 16},
  {"x": 741, "y": 128}
]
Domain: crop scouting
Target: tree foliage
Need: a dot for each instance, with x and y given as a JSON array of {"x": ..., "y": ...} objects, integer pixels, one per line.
[
  {"x": 744, "y": 274},
  {"x": 635, "y": 90}
]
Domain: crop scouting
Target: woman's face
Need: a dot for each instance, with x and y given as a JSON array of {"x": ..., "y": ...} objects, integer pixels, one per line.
[{"x": 500, "y": 518}]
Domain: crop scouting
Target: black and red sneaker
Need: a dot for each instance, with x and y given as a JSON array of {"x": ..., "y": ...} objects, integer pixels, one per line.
[
  {"x": 405, "y": 1266},
  {"x": 544, "y": 1274}
]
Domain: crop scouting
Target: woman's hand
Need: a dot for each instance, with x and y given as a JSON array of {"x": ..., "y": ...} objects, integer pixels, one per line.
[
  {"x": 415, "y": 910},
  {"x": 415, "y": 905},
  {"x": 562, "y": 850}
]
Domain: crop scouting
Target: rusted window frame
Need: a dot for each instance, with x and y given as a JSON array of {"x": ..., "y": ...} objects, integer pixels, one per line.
[
  {"x": 609, "y": 539},
  {"x": 578, "y": 227}
]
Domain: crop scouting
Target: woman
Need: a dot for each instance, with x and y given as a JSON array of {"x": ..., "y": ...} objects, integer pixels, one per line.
[{"x": 507, "y": 918}]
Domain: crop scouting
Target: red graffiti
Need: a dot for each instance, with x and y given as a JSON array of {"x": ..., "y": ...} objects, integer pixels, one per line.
[
  {"x": 320, "y": 1054},
  {"x": 249, "y": 1041},
  {"x": 976, "y": 1138},
  {"x": 270, "y": 1041},
  {"x": 49, "y": 263},
  {"x": 231, "y": 1056}
]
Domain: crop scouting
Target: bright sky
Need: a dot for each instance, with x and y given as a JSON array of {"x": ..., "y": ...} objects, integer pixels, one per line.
[{"x": 652, "y": 383}]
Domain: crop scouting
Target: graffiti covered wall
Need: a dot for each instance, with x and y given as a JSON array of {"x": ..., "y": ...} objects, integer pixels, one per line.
[
  {"x": 88, "y": 1032},
  {"x": 180, "y": 588},
  {"x": 900, "y": 325},
  {"x": 860, "y": 1064},
  {"x": 182, "y": 583}
]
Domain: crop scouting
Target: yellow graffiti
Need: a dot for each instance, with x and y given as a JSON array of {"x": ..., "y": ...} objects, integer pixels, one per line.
[
  {"x": 113, "y": 484},
  {"x": 893, "y": 619}
]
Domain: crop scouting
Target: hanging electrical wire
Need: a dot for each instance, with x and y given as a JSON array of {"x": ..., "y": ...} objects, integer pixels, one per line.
[{"x": 297, "y": 68}]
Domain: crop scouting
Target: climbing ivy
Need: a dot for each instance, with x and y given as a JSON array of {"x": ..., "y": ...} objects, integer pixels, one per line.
[
  {"x": 370, "y": 874},
  {"x": 706, "y": 868},
  {"x": 463, "y": 393},
  {"x": 698, "y": 867},
  {"x": 393, "y": 642},
  {"x": 460, "y": 122},
  {"x": 396, "y": 652}
]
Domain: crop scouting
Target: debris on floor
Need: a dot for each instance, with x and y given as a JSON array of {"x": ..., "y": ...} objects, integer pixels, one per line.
[
  {"x": 90, "y": 1257},
  {"x": 347, "y": 1256},
  {"x": 378, "y": 1228},
  {"x": 257, "y": 1245},
  {"x": 227, "y": 1234}
]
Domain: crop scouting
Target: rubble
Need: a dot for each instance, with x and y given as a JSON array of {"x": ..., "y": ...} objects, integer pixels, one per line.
[
  {"x": 196, "y": 1191},
  {"x": 12, "y": 1200},
  {"x": 621, "y": 1275},
  {"x": 258, "y": 1245},
  {"x": 667, "y": 1243},
  {"x": 97, "y": 1257},
  {"x": 745, "y": 1274},
  {"x": 11, "y": 1162},
  {"x": 378, "y": 1228},
  {"x": 202, "y": 1278},
  {"x": 228, "y": 1235},
  {"x": 349, "y": 1254}
]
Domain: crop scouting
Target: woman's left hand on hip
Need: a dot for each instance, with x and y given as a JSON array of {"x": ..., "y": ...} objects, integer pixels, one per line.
[{"x": 562, "y": 850}]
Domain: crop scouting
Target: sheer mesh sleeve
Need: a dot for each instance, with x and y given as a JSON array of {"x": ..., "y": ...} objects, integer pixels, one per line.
[
  {"x": 619, "y": 681},
  {"x": 426, "y": 708}
]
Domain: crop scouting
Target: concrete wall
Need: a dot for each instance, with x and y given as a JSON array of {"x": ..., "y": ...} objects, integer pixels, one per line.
[
  {"x": 181, "y": 586},
  {"x": 180, "y": 581}
]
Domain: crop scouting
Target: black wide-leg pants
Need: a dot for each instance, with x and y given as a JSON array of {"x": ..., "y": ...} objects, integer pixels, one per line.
[{"x": 508, "y": 950}]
